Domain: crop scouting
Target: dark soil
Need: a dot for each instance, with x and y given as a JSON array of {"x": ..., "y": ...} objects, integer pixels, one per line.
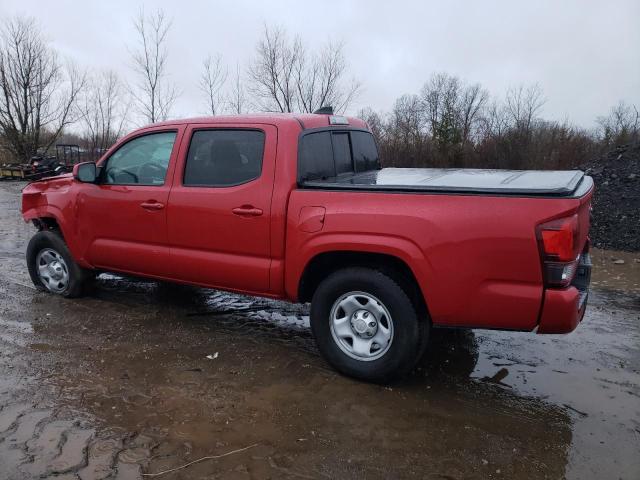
[{"x": 616, "y": 206}]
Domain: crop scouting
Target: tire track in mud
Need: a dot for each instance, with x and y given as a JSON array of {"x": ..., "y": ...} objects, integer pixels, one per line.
[{"x": 35, "y": 443}]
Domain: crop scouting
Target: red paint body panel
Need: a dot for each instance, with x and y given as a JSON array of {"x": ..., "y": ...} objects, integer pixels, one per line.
[
  {"x": 561, "y": 312},
  {"x": 209, "y": 243},
  {"x": 476, "y": 258}
]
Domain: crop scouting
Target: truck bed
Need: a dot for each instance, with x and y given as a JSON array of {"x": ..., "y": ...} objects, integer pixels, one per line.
[{"x": 558, "y": 183}]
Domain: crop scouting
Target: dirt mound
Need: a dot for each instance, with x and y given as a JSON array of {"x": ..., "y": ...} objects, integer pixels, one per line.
[{"x": 616, "y": 207}]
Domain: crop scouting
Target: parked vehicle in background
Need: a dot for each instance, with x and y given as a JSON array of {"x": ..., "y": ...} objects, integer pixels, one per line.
[
  {"x": 41, "y": 166},
  {"x": 296, "y": 207}
]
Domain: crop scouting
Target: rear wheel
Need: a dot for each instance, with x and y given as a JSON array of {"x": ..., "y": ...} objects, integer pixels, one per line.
[
  {"x": 51, "y": 266},
  {"x": 366, "y": 326}
]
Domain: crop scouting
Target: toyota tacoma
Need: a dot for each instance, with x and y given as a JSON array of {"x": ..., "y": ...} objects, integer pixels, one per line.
[{"x": 297, "y": 207}]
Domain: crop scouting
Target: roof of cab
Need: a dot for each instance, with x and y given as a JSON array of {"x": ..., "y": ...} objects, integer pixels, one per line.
[{"x": 305, "y": 120}]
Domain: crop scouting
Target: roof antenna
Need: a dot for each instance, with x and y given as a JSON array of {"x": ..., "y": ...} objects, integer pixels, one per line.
[{"x": 326, "y": 110}]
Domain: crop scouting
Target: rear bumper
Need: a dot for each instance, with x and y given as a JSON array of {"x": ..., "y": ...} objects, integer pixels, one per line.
[{"x": 563, "y": 309}]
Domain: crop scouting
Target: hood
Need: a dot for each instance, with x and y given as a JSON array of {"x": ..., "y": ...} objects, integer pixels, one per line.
[{"x": 47, "y": 183}]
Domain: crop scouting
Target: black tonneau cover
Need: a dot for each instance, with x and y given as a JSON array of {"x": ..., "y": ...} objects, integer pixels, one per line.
[{"x": 456, "y": 180}]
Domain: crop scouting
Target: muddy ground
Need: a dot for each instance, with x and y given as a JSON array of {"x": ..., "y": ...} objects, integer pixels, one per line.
[{"x": 140, "y": 377}]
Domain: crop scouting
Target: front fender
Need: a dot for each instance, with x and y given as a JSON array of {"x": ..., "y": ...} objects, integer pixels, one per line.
[{"x": 54, "y": 200}]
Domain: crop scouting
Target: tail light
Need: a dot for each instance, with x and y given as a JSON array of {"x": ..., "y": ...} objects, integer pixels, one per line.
[{"x": 558, "y": 240}]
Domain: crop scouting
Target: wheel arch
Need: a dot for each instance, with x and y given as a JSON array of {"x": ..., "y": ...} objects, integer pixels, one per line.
[
  {"x": 47, "y": 223},
  {"x": 51, "y": 218},
  {"x": 45, "y": 218},
  {"x": 323, "y": 264}
]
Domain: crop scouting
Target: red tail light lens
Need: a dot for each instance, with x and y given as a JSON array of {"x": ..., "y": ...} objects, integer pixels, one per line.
[
  {"x": 559, "y": 238},
  {"x": 559, "y": 245}
]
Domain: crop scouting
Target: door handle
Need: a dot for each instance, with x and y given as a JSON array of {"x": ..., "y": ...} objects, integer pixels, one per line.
[
  {"x": 152, "y": 205},
  {"x": 247, "y": 211}
]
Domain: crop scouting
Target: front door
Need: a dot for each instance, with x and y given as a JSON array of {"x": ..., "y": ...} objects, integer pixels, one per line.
[
  {"x": 220, "y": 207},
  {"x": 124, "y": 215}
]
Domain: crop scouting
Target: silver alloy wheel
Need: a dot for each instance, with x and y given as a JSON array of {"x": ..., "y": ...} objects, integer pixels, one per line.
[
  {"x": 52, "y": 270},
  {"x": 361, "y": 326}
]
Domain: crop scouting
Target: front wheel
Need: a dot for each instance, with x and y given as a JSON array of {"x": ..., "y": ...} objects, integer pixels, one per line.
[
  {"x": 51, "y": 266},
  {"x": 366, "y": 326}
]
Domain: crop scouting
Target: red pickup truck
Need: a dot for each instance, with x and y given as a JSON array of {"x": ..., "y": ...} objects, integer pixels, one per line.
[{"x": 296, "y": 207}]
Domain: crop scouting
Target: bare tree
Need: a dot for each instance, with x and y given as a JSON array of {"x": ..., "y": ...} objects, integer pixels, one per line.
[
  {"x": 493, "y": 122},
  {"x": 622, "y": 125},
  {"x": 523, "y": 105},
  {"x": 272, "y": 72},
  {"x": 211, "y": 82},
  {"x": 154, "y": 95},
  {"x": 237, "y": 98},
  {"x": 37, "y": 94},
  {"x": 440, "y": 98},
  {"x": 286, "y": 77},
  {"x": 473, "y": 100},
  {"x": 319, "y": 80},
  {"x": 375, "y": 122},
  {"x": 103, "y": 111}
]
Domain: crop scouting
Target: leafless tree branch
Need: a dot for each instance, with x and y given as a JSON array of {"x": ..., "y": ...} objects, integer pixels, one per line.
[
  {"x": 37, "y": 94},
  {"x": 154, "y": 96},
  {"x": 212, "y": 80},
  {"x": 103, "y": 110},
  {"x": 285, "y": 76}
]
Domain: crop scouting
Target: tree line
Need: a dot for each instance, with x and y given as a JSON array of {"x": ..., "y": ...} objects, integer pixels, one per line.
[
  {"x": 448, "y": 123},
  {"x": 451, "y": 123}
]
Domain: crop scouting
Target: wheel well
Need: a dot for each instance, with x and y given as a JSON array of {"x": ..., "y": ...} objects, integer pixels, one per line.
[
  {"x": 325, "y": 264},
  {"x": 47, "y": 223}
]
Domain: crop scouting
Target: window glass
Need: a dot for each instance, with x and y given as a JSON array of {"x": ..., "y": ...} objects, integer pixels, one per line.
[
  {"x": 219, "y": 158},
  {"x": 342, "y": 153},
  {"x": 141, "y": 161},
  {"x": 316, "y": 156},
  {"x": 365, "y": 152}
]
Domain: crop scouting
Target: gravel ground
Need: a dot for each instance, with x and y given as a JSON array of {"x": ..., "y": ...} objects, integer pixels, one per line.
[{"x": 616, "y": 206}]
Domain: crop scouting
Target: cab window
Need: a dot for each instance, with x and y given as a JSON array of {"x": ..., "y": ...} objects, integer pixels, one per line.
[
  {"x": 330, "y": 153},
  {"x": 141, "y": 161},
  {"x": 223, "y": 158}
]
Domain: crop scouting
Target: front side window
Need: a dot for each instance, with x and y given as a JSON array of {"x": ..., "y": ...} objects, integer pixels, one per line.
[
  {"x": 222, "y": 158},
  {"x": 141, "y": 161}
]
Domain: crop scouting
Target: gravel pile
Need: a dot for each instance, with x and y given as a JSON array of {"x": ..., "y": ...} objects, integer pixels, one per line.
[{"x": 616, "y": 207}]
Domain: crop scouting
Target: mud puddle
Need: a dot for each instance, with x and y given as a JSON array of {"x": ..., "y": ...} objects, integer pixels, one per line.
[{"x": 143, "y": 377}]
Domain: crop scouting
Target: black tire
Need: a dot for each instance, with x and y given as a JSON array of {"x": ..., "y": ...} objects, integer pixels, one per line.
[
  {"x": 77, "y": 276},
  {"x": 409, "y": 332}
]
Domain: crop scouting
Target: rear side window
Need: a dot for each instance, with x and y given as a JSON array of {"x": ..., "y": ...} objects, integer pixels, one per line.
[
  {"x": 342, "y": 153},
  {"x": 365, "y": 152},
  {"x": 222, "y": 158},
  {"x": 316, "y": 156},
  {"x": 327, "y": 154}
]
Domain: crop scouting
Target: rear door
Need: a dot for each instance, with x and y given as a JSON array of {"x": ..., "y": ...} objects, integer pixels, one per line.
[
  {"x": 220, "y": 205},
  {"x": 123, "y": 216}
]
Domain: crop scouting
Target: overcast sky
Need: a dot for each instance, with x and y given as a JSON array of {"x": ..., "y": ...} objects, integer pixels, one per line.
[{"x": 584, "y": 54}]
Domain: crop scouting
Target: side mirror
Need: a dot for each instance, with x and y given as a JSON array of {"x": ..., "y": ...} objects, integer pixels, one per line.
[{"x": 85, "y": 172}]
